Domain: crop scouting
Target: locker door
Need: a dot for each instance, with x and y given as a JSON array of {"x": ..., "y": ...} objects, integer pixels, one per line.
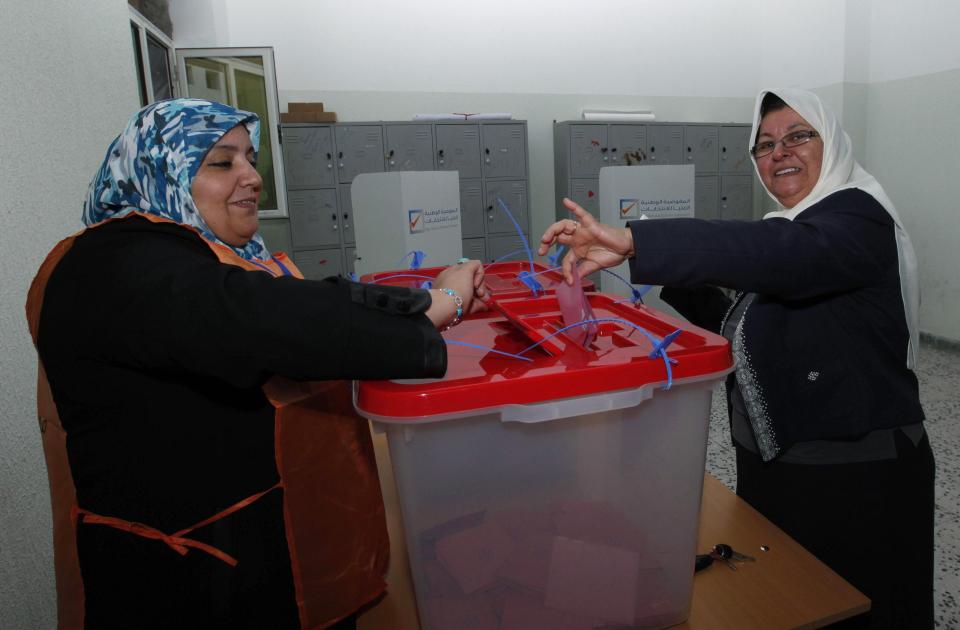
[
  {"x": 308, "y": 156},
  {"x": 317, "y": 264},
  {"x": 504, "y": 150},
  {"x": 409, "y": 148},
  {"x": 514, "y": 195},
  {"x": 701, "y": 147},
  {"x": 664, "y": 144},
  {"x": 346, "y": 215},
  {"x": 585, "y": 192},
  {"x": 458, "y": 149},
  {"x": 471, "y": 208},
  {"x": 705, "y": 199},
  {"x": 735, "y": 151},
  {"x": 349, "y": 261},
  {"x": 628, "y": 145},
  {"x": 736, "y": 197},
  {"x": 276, "y": 234},
  {"x": 359, "y": 150},
  {"x": 475, "y": 249},
  {"x": 588, "y": 150},
  {"x": 505, "y": 247},
  {"x": 314, "y": 218}
]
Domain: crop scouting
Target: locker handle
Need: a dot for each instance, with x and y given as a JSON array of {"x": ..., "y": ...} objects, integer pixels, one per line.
[
  {"x": 603, "y": 149},
  {"x": 487, "y": 151},
  {"x": 329, "y": 156},
  {"x": 440, "y": 153},
  {"x": 340, "y": 155}
]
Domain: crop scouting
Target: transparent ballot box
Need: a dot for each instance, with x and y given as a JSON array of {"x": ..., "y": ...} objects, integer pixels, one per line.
[{"x": 559, "y": 492}]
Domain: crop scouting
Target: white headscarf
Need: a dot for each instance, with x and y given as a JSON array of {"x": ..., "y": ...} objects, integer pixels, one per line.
[{"x": 840, "y": 171}]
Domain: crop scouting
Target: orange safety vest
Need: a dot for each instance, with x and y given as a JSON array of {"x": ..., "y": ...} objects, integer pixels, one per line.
[{"x": 337, "y": 536}]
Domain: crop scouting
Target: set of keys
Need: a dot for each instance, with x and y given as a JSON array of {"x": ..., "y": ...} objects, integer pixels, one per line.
[{"x": 721, "y": 552}]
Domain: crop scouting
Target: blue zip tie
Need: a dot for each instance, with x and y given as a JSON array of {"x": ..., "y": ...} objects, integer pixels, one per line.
[
  {"x": 417, "y": 260},
  {"x": 636, "y": 294},
  {"x": 663, "y": 343},
  {"x": 540, "y": 273},
  {"x": 353, "y": 276},
  {"x": 555, "y": 258},
  {"x": 523, "y": 238},
  {"x": 504, "y": 257},
  {"x": 427, "y": 284},
  {"x": 528, "y": 279},
  {"x": 454, "y": 342}
]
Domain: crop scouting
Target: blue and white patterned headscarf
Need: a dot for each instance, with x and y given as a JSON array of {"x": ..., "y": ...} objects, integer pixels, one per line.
[{"x": 150, "y": 167}]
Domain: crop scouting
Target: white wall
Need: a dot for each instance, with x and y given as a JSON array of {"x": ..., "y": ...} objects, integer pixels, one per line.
[
  {"x": 66, "y": 88},
  {"x": 912, "y": 139}
]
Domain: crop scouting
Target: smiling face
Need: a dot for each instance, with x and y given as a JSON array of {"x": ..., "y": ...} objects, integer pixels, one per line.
[
  {"x": 788, "y": 173},
  {"x": 226, "y": 188}
]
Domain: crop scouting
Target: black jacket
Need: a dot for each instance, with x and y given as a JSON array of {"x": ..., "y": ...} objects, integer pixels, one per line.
[
  {"x": 822, "y": 349},
  {"x": 155, "y": 352}
]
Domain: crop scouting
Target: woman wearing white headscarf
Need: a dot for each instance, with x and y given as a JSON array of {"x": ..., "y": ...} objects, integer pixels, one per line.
[{"x": 824, "y": 403}]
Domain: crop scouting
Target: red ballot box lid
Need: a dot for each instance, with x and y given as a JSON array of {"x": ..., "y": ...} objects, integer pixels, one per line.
[
  {"x": 479, "y": 378},
  {"x": 501, "y": 279}
]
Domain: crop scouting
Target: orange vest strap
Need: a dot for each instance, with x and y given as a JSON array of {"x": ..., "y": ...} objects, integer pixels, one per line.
[{"x": 176, "y": 540}]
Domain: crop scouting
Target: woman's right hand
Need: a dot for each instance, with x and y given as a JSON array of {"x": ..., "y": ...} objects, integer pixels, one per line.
[
  {"x": 595, "y": 245},
  {"x": 466, "y": 280}
]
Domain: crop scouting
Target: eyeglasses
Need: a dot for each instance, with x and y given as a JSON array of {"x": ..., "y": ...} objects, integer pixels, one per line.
[{"x": 789, "y": 141}]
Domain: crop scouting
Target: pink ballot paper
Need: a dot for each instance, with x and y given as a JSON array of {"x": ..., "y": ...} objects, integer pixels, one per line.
[{"x": 575, "y": 307}]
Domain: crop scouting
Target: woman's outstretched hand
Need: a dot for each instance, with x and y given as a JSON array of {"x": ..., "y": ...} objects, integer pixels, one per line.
[{"x": 595, "y": 245}]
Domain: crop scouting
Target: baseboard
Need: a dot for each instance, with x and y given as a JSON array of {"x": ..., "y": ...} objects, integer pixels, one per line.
[{"x": 944, "y": 343}]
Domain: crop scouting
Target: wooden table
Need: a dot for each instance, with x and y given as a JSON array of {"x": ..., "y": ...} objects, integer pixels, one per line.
[{"x": 786, "y": 587}]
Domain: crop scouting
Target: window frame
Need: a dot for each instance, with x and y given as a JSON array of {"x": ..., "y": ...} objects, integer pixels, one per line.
[
  {"x": 271, "y": 125},
  {"x": 145, "y": 27}
]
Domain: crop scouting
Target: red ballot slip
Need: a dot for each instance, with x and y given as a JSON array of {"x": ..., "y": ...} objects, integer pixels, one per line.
[{"x": 575, "y": 307}]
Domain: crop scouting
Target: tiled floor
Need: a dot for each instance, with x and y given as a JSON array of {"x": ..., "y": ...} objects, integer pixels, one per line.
[{"x": 939, "y": 376}]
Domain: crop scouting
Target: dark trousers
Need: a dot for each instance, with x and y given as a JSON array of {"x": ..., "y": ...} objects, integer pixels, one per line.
[{"x": 872, "y": 523}]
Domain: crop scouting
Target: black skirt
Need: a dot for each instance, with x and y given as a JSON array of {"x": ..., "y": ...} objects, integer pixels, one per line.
[{"x": 872, "y": 523}]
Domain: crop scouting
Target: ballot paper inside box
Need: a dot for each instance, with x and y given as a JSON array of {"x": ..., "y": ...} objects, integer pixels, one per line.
[{"x": 561, "y": 493}]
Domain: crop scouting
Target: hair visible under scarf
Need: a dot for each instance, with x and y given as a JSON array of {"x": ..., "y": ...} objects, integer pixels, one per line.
[
  {"x": 840, "y": 171},
  {"x": 149, "y": 168}
]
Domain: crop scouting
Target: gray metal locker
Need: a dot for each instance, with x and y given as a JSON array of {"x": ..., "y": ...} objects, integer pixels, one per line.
[
  {"x": 701, "y": 147},
  {"x": 346, "y": 215},
  {"x": 588, "y": 150},
  {"x": 276, "y": 235},
  {"x": 585, "y": 192},
  {"x": 471, "y": 208},
  {"x": 349, "y": 260},
  {"x": 409, "y": 148},
  {"x": 628, "y": 145},
  {"x": 736, "y": 197},
  {"x": 475, "y": 249},
  {"x": 706, "y": 194},
  {"x": 314, "y": 218},
  {"x": 458, "y": 149},
  {"x": 514, "y": 195},
  {"x": 505, "y": 247},
  {"x": 318, "y": 264},
  {"x": 308, "y": 156},
  {"x": 735, "y": 151},
  {"x": 504, "y": 150},
  {"x": 664, "y": 144},
  {"x": 359, "y": 150}
]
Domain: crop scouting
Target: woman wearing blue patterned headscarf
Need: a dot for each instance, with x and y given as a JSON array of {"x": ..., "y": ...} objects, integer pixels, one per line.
[
  {"x": 192, "y": 485},
  {"x": 151, "y": 166}
]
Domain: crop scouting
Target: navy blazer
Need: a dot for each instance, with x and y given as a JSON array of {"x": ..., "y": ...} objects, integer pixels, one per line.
[{"x": 821, "y": 351}]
